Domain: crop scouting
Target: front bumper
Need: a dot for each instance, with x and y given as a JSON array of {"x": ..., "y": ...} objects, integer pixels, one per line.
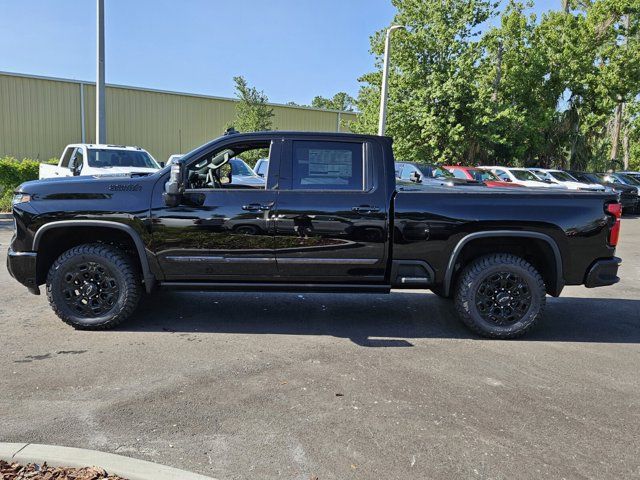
[
  {"x": 603, "y": 272},
  {"x": 22, "y": 267},
  {"x": 629, "y": 203}
]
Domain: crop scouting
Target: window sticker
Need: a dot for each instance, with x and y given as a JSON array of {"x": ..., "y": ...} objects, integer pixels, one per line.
[{"x": 330, "y": 163}]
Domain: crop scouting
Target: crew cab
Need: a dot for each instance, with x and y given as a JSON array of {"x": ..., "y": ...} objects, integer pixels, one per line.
[
  {"x": 329, "y": 218},
  {"x": 89, "y": 159}
]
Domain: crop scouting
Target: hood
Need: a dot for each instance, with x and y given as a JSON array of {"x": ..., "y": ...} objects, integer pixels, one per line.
[
  {"x": 77, "y": 188},
  {"x": 496, "y": 183},
  {"x": 537, "y": 184},
  {"x": 582, "y": 186},
  {"x": 247, "y": 180},
  {"x": 122, "y": 170}
]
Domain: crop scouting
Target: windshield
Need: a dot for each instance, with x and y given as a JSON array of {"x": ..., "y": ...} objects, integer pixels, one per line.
[
  {"x": 483, "y": 175},
  {"x": 261, "y": 167},
  {"x": 628, "y": 179},
  {"x": 238, "y": 167},
  {"x": 524, "y": 175},
  {"x": 106, "y": 158},
  {"x": 597, "y": 177},
  {"x": 562, "y": 176},
  {"x": 436, "y": 172}
]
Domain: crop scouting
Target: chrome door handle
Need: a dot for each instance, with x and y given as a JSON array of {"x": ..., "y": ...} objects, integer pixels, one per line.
[
  {"x": 365, "y": 209},
  {"x": 256, "y": 207}
]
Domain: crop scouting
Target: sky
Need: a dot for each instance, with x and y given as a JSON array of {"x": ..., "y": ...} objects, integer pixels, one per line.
[{"x": 293, "y": 50}]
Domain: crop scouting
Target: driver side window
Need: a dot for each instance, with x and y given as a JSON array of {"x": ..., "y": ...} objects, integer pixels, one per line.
[{"x": 229, "y": 167}]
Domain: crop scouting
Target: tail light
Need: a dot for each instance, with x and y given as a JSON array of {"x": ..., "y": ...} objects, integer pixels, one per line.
[{"x": 614, "y": 209}]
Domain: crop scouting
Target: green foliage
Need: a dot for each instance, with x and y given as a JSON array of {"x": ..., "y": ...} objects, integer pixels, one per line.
[
  {"x": 12, "y": 173},
  {"x": 340, "y": 101},
  {"x": 253, "y": 114},
  {"x": 529, "y": 91}
]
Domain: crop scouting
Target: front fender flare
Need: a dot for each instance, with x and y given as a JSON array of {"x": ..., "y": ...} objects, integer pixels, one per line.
[{"x": 148, "y": 276}]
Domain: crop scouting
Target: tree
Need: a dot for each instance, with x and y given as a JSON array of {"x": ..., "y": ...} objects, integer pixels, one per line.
[
  {"x": 549, "y": 91},
  {"x": 253, "y": 114},
  {"x": 341, "y": 101},
  {"x": 432, "y": 92}
]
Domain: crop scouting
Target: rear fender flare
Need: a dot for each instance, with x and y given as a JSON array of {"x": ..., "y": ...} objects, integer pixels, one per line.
[{"x": 448, "y": 278}]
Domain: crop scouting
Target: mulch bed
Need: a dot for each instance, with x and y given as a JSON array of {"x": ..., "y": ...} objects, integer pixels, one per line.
[{"x": 32, "y": 471}]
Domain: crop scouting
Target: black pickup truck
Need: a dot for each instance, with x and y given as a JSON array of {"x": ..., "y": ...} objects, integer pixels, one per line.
[{"x": 330, "y": 218}]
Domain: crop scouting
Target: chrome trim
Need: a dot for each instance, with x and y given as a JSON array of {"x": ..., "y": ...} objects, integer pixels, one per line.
[
  {"x": 218, "y": 259},
  {"x": 329, "y": 261}
]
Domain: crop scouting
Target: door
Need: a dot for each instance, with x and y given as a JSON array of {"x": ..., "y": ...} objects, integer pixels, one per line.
[
  {"x": 332, "y": 211},
  {"x": 221, "y": 231}
]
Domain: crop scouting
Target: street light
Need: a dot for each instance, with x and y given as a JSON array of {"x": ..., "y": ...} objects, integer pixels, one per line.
[
  {"x": 101, "y": 118},
  {"x": 385, "y": 80}
]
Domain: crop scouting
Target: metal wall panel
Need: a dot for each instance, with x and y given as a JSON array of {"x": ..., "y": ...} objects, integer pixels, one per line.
[{"x": 39, "y": 116}]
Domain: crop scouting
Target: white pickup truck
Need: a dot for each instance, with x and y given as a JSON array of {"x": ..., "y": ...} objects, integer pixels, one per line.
[{"x": 90, "y": 159}]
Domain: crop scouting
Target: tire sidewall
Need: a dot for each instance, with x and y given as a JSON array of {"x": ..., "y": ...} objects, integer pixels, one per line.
[
  {"x": 530, "y": 317},
  {"x": 56, "y": 282}
]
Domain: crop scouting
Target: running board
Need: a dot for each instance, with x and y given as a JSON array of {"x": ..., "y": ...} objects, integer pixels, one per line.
[{"x": 277, "y": 287}]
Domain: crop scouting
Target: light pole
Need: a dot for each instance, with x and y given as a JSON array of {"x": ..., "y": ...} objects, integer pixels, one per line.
[
  {"x": 385, "y": 80},
  {"x": 101, "y": 117}
]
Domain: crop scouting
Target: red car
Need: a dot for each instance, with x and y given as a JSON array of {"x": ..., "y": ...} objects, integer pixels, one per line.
[{"x": 489, "y": 178}]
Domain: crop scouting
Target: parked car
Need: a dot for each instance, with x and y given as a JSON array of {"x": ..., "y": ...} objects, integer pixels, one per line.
[
  {"x": 262, "y": 167},
  {"x": 430, "y": 175},
  {"x": 243, "y": 174},
  {"x": 89, "y": 159},
  {"x": 635, "y": 175},
  {"x": 487, "y": 177},
  {"x": 96, "y": 242},
  {"x": 521, "y": 176},
  {"x": 629, "y": 195},
  {"x": 560, "y": 177},
  {"x": 623, "y": 179},
  {"x": 174, "y": 158}
]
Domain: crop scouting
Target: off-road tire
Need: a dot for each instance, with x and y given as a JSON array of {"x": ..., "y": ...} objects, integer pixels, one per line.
[
  {"x": 481, "y": 269},
  {"x": 121, "y": 271}
]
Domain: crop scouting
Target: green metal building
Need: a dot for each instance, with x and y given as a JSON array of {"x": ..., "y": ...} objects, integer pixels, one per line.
[{"x": 40, "y": 115}]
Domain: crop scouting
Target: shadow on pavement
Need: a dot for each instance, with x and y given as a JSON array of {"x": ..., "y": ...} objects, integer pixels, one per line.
[{"x": 372, "y": 320}]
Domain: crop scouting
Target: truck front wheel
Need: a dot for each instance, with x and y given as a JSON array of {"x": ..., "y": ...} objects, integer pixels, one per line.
[
  {"x": 93, "y": 287},
  {"x": 500, "y": 296}
]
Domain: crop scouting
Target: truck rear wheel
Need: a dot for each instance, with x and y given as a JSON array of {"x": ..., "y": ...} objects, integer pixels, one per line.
[
  {"x": 93, "y": 287},
  {"x": 500, "y": 296}
]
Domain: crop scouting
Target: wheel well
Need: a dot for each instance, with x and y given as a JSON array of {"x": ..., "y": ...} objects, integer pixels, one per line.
[
  {"x": 56, "y": 241},
  {"x": 536, "y": 251}
]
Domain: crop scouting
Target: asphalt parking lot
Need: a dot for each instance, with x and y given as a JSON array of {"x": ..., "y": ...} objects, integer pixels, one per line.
[{"x": 261, "y": 386}]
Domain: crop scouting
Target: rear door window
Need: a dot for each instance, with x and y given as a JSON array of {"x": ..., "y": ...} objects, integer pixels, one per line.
[{"x": 328, "y": 166}]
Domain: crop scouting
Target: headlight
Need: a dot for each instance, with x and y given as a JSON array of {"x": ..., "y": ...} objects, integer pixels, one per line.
[{"x": 20, "y": 198}]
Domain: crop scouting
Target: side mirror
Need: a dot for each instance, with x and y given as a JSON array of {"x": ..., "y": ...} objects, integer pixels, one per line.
[
  {"x": 174, "y": 188},
  {"x": 75, "y": 166},
  {"x": 415, "y": 177},
  {"x": 161, "y": 164}
]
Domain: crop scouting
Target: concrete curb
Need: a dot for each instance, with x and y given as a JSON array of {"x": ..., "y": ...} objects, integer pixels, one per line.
[{"x": 126, "y": 467}]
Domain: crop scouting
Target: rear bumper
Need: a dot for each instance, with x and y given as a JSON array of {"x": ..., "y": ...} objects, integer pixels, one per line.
[
  {"x": 22, "y": 267},
  {"x": 603, "y": 272}
]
